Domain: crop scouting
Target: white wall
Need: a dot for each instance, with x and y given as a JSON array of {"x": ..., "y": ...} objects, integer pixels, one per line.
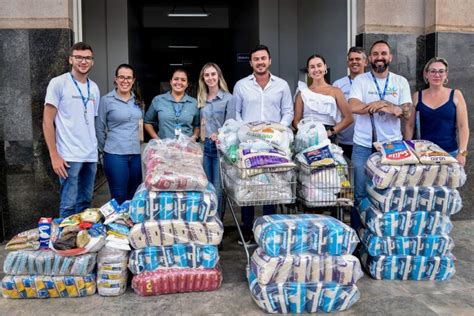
[{"x": 105, "y": 27}]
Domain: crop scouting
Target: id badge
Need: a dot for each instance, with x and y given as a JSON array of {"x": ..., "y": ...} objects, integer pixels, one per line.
[{"x": 177, "y": 130}]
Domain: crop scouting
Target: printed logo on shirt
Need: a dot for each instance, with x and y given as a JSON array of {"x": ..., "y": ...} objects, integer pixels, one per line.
[{"x": 393, "y": 91}]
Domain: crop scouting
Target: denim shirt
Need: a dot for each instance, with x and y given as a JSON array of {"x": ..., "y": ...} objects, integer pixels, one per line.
[
  {"x": 216, "y": 112},
  {"x": 117, "y": 125},
  {"x": 167, "y": 112}
]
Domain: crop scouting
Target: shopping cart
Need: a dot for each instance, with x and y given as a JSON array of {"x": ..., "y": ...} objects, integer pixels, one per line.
[
  {"x": 255, "y": 187},
  {"x": 326, "y": 187}
]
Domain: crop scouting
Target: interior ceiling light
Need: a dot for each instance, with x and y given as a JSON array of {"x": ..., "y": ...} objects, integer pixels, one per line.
[
  {"x": 182, "y": 46},
  {"x": 202, "y": 13}
]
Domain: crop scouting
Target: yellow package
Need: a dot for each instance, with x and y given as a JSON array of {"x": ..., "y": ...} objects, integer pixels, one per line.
[
  {"x": 20, "y": 287},
  {"x": 50, "y": 286},
  {"x": 81, "y": 286},
  {"x": 71, "y": 286},
  {"x": 90, "y": 284},
  {"x": 71, "y": 220},
  {"x": 60, "y": 286},
  {"x": 8, "y": 288}
]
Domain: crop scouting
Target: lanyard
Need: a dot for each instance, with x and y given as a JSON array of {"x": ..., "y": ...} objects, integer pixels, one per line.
[
  {"x": 350, "y": 80},
  {"x": 177, "y": 110},
  {"x": 381, "y": 95},
  {"x": 84, "y": 99}
]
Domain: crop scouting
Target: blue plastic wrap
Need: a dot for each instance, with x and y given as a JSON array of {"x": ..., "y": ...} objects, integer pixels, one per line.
[
  {"x": 47, "y": 262},
  {"x": 418, "y": 268},
  {"x": 441, "y": 199},
  {"x": 296, "y": 298},
  {"x": 175, "y": 256},
  {"x": 403, "y": 223},
  {"x": 305, "y": 268},
  {"x": 190, "y": 206},
  {"x": 426, "y": 245},
  {"x": 283, "y": 234}
]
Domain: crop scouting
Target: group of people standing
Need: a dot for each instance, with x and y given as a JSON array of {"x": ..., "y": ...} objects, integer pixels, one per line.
[{"x": 357, "y": 110}]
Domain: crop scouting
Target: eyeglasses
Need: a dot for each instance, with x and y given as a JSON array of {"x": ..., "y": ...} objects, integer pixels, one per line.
[
  {"x": 80, "y": 59},
  {"x": 123, "y": 78},
  {"x": 439, "y": 71}
]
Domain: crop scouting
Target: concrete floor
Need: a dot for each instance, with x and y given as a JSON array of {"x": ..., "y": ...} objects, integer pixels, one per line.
[{"x": 455, "y": 297}]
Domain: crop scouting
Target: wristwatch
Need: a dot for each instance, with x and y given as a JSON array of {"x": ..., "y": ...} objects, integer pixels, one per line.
[{"x": 463, "y": 153}]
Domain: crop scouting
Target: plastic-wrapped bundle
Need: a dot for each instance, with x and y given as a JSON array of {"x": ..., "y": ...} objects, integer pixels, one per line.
[
  {"x": 228, "y": 139},
  {"x": 176, "y": 280},
  {"x": 430, "y": 153},
  {"x": 296, "y": 298},
  {"x": 270, "y": 186},
  {"x": 415, "y": 198},
  {"x": 174, "y": 165},
  {"x": 426, "y": 245},
  {"x": 276, "y": 134},
  {"x": 27, "y": 240},
  {"x": 385, "y": 176},
  {"x": 112, "y": 272},
  {"x": 189, "y": 205},
  {"x": 45, "y": 286},
  {"x": 47, "y": 262},
  {"x": 282, "y": 234},
  {"x": 310, "y": 133},
  {"x": 321, "y": 187},
  {"x": 403, "y": 223},
  {"x": 169, "y": 232},
  {"x": 175, "y": 256},
  {"x": 252, "y": 161},
  {"x": 305, "y": 268},
  {"x": 418, "y": 268}
]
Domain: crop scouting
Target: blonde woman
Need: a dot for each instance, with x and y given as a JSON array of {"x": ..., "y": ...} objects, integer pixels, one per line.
[
  {"x": 442, "y": 112},
  {"x": 215, "y": 108}
]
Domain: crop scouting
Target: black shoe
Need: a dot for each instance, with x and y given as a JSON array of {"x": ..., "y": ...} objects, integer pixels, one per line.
[{"x": 248, "y": 239}]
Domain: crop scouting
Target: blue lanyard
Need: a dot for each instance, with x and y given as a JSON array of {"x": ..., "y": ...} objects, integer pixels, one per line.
[
  {"x": 381, "y": 95},
  {"x": 350, "y": 80},
  {"x": 84, "y": 99},
  {"x": 177, "y": 110}
]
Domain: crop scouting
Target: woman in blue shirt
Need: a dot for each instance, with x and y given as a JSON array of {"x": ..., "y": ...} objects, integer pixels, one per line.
[
  {"x": 214, "y": 104},
  {"x": 442, "y": 111},
  {"x": 175, "y": 112},
  {"x": 118, "y": 134}
]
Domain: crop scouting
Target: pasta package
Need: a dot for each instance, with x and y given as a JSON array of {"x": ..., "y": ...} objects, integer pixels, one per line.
[
  {"x": 429, "y": 153},
  {"x": 45, "y": 286}
]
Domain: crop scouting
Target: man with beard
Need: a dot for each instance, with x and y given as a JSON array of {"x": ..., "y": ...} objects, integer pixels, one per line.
[
  {"x": 68, "y": 124},
  {"x": 380, "y": 98},
  {"x": 356, "y": 62},
  {"x": 261, "y": 96}
]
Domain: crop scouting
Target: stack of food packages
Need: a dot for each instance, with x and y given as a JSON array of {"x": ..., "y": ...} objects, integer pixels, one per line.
[
  {"x": 256, "y": 162},
  {"x": 304, "y": 264},
  {"x": 323, "y": 173},
  {"x": 55, "y": 260},
  {"x": 411, "y": 194},
  {"x": 112, "y": 271},
  {"x": 176, "y": 231}
]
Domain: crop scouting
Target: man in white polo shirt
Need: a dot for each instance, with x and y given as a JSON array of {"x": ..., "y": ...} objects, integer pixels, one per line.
[
  {"x": 380, "y": 98},
  {"x": 261, "y": 96},
  {"x": 68, "y": 124}
]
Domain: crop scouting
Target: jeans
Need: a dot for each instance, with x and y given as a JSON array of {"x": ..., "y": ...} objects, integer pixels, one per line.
[
  {"x": 124, "y": 174},
  {"x": 76, "y": 190},
  {"x": 248, "y": 214},
  {"x": 211, "y": 168},
  {"x": 454, "y": 153},
  {"x": 360, "y": 155}
]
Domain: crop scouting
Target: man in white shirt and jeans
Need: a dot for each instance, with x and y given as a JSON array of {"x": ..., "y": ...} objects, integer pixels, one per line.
[
  {"x": 380, "y": 98},
  {"x": 70, "y": 108},
  {"x": 261, "y": 96}
]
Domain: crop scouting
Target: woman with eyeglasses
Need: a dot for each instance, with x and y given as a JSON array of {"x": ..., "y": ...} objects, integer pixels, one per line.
[
  {"x": 214, "y": 102},
  {"x": 442, "y": 112},
  {"x": 118, "y": 134},
  {"x": 175, "y": 111}
]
